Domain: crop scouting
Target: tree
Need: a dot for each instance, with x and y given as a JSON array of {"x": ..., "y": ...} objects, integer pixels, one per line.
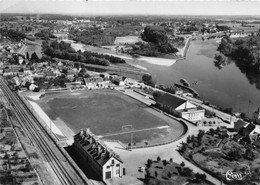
[
  {"x": 171, "y": 160},
  {"x": 164, "y": 162},
  {"x": 155, "y": 174},
  {"x": 169, "y": 174},
  {"x": 220, "y": 58},
  {"x": 187, "y": 172},
  {"x": 147, "y": 78},
  {"x": 243, "y": 115},
  {"x": 182, "y": 164},
  {"x": 200, "y": 177},
  {"x": 156, "y": 95},
  {"x": 150, "y": 162},
  {"x": 183, "y": 148},
  {"x": 27, "y": 55},
  {"x": 34, "y": 57},
  {"x": 147, "y": 175},
  {"x": 188, "y": 139},
  {"x": 211, "y": 131},
  {"x": 158, "y": 158},
  {"x": 235, "y": 154},
  {"x": 250, "y": 154}
]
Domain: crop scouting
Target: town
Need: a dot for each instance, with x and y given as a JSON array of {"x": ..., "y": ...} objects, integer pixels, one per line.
[{"x": 80, "y": 103}]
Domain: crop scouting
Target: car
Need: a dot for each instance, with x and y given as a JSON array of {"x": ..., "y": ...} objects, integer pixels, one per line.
[{"x": 142, "y": 169}]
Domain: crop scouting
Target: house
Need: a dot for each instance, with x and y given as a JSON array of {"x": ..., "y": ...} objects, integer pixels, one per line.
[
  {"x": 33, "y": 87},
  {"x": 105, "y": 75},
  {"x": 73, "y": 85},
  {"x": 119, "y": 81},
  {"x": 180, "y": 107},
  {"x": 97, "y": 156},
  {"x": 239, "y": 125},
  {"x": 27, "y": 70},
  {"x": 49, "y": 75},
  {"x": 20, "y": 60},
  {"x": 95, "y": 81},
  {"x": 247, "y": 133}
]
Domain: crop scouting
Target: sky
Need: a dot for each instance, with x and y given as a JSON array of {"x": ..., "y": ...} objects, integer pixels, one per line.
[{"x": 143, "y": 7}]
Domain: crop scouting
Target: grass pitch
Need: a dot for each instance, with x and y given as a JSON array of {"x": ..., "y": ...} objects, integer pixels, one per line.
[{"x": 105, "y": 112}]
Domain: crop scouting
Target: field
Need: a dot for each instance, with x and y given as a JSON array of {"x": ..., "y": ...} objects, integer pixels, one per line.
[
  {"x": 128, "y": 40},
  {"x": 111, "y": 115}
]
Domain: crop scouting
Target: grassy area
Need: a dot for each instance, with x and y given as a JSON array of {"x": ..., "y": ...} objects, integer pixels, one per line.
[
  {"x": 215, "y": 153},
  {"x": 159, "y": 171},
  {"x": 163, "y": 172},
  {"x": 103, "y": 111}
]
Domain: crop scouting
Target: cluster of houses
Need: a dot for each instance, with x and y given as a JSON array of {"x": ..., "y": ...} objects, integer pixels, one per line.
[
  {"x": 75, "y": 78},
  {"x": 95, "y": 154}
]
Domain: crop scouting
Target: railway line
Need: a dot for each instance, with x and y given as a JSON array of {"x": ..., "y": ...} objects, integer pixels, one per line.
[{"x": 51, "y": 152}]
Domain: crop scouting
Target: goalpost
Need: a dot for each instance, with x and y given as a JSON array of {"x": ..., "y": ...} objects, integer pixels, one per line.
[{"x": 126, "y": 128}]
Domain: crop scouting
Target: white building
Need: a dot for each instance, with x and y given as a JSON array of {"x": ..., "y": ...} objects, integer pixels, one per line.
[{"x": 180, "y": 107}]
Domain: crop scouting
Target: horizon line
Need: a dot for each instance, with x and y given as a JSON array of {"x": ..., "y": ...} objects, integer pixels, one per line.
[{"x": 129, "y": 14}]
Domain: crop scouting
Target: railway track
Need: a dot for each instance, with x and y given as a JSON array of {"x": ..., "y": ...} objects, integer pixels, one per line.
[{"x": 50, "y": 151}]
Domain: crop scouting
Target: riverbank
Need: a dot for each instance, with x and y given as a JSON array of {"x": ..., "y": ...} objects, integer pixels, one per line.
[
  {"x": 183, "y": 51},
  {"x": 151, "y": 60}
]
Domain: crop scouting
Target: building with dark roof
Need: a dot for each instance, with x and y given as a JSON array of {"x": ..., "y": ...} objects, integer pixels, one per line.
[
  {"x": 103, "y": 161},
  {"x": 180, "y": 107},
  {"x": 239, "y": 125},
  {"x": 247, "y": 132}
]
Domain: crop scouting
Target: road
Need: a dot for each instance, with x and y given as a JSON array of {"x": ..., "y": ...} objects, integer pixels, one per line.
[
  {"x": 220, "y": 114},
  {"x": 223, "y": 115},
  {"x": 136, "y": 157},
  {"x": 54, "y": 156},
  {"x": 22, "y": 50}
]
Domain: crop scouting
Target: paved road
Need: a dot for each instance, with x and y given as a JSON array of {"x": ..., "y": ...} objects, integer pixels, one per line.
[
  {"x": 138, "y": 157},
  {"x": 221, "y": 114}
]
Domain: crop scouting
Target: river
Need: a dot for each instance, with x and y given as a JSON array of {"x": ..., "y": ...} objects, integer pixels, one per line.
[{"x": 227, "y": 87}]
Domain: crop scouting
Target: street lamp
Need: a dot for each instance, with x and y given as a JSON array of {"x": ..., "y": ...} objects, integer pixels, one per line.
[{"x": 249, "y": 101}]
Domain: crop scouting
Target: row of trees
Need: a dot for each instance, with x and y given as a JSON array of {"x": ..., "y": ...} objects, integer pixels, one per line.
[
  {"x": 63, "y": 50},
  {"x": 246, "y": 51},
  {"x": 13, "y": 34}
]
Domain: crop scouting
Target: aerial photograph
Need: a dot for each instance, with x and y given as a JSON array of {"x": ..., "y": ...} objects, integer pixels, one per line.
[{"x": 129, "y": 92}]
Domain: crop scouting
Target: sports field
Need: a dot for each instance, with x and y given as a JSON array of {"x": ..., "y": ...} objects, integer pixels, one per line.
[{"x": 110, "y": 114}]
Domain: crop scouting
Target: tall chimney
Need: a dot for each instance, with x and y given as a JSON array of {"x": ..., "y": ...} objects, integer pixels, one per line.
[{"x": 81, "y": 132}]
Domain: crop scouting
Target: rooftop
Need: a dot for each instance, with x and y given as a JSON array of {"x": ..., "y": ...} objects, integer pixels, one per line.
[
  {"x": 170, "y": 100},
  {"x": 94, "y": 147}
]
